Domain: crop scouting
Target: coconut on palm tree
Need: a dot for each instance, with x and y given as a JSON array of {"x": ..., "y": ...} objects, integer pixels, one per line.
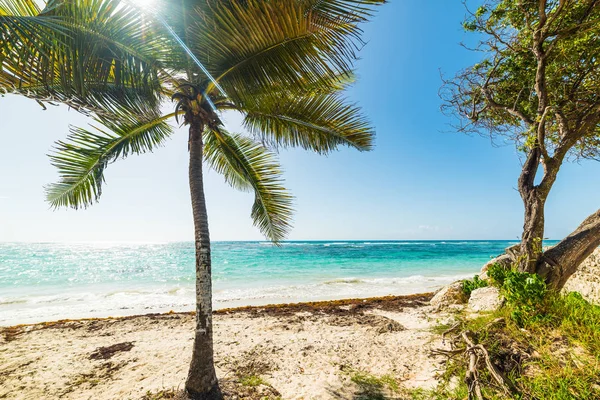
[{"x": 283, "y": 64}]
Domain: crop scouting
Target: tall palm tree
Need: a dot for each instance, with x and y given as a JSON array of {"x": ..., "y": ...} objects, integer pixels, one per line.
[{"x": 283, "y": 64}]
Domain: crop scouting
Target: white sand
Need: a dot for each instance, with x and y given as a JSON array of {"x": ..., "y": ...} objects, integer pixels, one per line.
[{"x": 301, "y": 353}]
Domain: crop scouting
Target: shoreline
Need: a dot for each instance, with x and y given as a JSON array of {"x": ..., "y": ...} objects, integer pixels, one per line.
[
  {"x": 313, "y": 350},
  {"x": 267, "y": 309},
  {"x": 17, "y": 314},
  {"x": 59, "y": 281}
]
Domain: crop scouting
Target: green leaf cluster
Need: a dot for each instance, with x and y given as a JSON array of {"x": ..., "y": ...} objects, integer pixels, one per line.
[
  {"x": 468, "y": 285},
  {"x": 501, "y": 95},
  {"x": 524, "y": 292}
]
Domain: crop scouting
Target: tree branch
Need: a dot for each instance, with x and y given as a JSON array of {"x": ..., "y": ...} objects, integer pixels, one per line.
[
  {"x": 508, "y": 109},
  {"x": 541, "y": 134},
  {"x": 562, "y": 260},
  {"x": 527, "y": 177}
]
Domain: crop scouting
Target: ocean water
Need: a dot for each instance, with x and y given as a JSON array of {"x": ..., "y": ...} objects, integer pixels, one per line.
[{"x": 49, "y": 281}]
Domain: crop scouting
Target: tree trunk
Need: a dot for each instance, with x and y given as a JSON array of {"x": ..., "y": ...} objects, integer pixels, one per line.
[
  {"x": 561, "y": 261},
  {"x": 534, "y": 200},
  {"x": 202, "y": 380},
  {"x": 533, "y": 231}
]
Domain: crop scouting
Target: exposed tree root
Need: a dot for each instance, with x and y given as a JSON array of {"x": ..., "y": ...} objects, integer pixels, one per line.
[
  {"x": 472, "y": 376},
  {"x": 453, "y": 328},
  {"x": 462, "y": 343}
]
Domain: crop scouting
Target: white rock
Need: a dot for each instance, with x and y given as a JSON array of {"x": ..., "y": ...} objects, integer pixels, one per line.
[
  {"x": 451, "y": 294},
  {"x": 505, "y": 260},
  {"x": 485, "y": 299}
]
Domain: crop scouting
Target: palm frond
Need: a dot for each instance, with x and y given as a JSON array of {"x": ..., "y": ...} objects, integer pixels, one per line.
[
  {"x": 246, "y": 165},
  {"x": 24, "y": 36},
  {"x": 19, "y": 7},
  {"x": 251, "y": 43},
  {"x": 75, "y": 50},
  {"x": 346, "y": 14},
  {"x": 83, "y": 157},
  {"x": 320, "y": 123},
  {"x": 328, "y": 84}
]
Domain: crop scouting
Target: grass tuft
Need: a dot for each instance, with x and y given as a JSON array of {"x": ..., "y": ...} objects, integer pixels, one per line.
[
  {"x": 372, "y": 387},
  {"x": 252, "y": 380}
]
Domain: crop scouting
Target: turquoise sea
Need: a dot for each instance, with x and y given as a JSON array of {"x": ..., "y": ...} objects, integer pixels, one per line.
[{"x": 49, "y": 281}]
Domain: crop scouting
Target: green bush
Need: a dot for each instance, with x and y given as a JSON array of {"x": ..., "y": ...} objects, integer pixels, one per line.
[
  {"x": 497, "y": 274},
  {"x": 469, "y": 285},
  {"x": 555, "y": 357},
  {"x": 524, "y": 293},
  {"x": 546, "y": 344}
]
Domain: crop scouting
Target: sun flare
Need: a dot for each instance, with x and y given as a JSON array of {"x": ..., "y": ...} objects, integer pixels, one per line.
[{"x": 148, "y": 5}]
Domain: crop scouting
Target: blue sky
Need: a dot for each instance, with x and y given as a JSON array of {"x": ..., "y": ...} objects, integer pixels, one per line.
[{"x": 422, "y": 181}]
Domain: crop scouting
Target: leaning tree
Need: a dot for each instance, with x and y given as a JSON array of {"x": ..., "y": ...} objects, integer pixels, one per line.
[
  {"x": 538, "y": 85},
  {"x": 283, "y": 65}
]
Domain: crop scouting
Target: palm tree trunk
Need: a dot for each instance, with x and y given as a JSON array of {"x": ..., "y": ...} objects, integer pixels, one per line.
[{"x": 202, "y": 380}]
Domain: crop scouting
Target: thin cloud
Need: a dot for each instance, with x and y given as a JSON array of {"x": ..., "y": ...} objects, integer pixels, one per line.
[{"x": 429, "y": 228}]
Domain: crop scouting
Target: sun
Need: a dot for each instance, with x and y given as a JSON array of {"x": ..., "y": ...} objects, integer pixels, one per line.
[{"x": 146, "y": 5}]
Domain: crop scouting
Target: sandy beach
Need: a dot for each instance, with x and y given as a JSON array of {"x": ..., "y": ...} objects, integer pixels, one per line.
[
  {"x": 324, "y": 350},
  {"x": 375, "y": 200}
]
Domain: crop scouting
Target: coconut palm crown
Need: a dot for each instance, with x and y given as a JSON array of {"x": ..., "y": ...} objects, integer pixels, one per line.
[{"x": 283, "y": 64}]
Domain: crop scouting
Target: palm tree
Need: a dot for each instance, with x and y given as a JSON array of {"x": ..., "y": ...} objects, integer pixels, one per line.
[{"x": 283, "y": 64}]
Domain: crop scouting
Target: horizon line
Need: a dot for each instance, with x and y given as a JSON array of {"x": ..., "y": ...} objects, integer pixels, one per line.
[{"x": 265, "y": 241}]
